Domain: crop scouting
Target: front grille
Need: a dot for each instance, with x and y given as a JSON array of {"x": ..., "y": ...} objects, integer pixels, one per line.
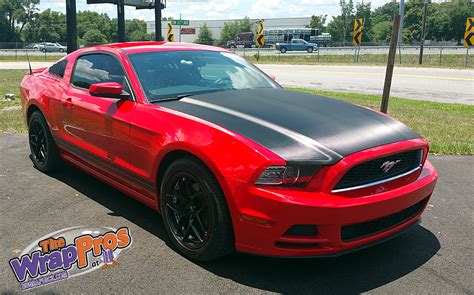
[
  {"x": 360, "y": 230},
  {"x": 371, "y": 171}
]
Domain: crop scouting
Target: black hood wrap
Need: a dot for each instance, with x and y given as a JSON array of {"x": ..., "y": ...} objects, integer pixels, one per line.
[{"x": 299, "y": 127}]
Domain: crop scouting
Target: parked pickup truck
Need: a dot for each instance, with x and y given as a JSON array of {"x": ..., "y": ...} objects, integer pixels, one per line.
[{"x": 296, "y": 44}]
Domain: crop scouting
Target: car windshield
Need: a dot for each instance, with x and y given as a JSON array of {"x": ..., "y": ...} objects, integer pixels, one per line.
[{"x": 174, "y": 74}]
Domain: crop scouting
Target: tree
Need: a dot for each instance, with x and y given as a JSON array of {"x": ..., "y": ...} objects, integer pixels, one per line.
[
  {"x": 13, "y": 13},
  {"x": 135, "y": 30},
  {"x": 47, "y": 26},
  {"x": 91, "y": 20},
  {"x": 205, "y": 36},
  {"x": 347, "y": 14},
  {"x": 94, "y": 36},
  {"x": 335, "y": 28},
  {"x": 318, "y": 22},
  {"x": 364, "y": 12},
  {"x": 382, "y": 31},
  {"x": 231, "y": 29}
]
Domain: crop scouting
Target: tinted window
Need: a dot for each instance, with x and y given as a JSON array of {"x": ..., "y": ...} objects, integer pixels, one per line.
[
  {"x": 96, "y": 68},
  {"x": 168, "y": 74},
  {"x": 58, "y": 68}
]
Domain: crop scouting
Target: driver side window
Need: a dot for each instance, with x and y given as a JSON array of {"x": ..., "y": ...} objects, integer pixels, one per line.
[{"x": 97, "y": 68}]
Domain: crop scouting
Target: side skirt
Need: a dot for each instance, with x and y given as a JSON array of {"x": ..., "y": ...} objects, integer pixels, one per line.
[{"x": 125, "y": 189}]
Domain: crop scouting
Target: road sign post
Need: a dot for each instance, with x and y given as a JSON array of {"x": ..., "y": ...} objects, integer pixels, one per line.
[
  {"x": 170, "y": 35},
  {"x": 468, "y": 37},
  {"x": 390, "y": 63},
  {"x": 259, "y": 38},
  {"x": 357, "y": 37}
]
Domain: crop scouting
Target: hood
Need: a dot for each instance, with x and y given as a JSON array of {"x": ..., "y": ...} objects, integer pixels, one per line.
[{"x": 299, "y": 127}]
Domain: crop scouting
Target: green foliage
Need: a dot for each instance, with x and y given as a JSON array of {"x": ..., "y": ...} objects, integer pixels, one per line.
[
  {"x": 94, "y": 36},
  {"x": 47, "y": 26},
  {"x": 445, "y": 21},
  {"x": 14, "y": 15},
  {"x": 231, "y": 29},
  {"x": 381, "y": 31},
  {"x": 318, "y": 22},
  {"x": 205, "y": 36}
]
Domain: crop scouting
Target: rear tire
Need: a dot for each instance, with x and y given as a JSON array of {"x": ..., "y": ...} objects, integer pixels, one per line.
[
  {"x": 195, "y": 212},
  {"x": 44, "y": 154}
]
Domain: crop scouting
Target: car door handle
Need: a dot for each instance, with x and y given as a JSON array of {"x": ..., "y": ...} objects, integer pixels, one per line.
[{"x": 68, "y": 103}]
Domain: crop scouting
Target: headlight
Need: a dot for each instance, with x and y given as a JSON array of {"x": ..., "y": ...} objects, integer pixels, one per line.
[{"x": 286, "y": 175}]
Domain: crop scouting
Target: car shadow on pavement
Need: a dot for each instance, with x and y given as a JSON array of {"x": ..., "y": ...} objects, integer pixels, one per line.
[
  {"x": 352, "y": 273},
  {"x": 118, "y": 203}
]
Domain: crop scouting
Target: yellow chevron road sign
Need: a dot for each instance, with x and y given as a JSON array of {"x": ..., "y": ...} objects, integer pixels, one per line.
[
  {"x": 469, "y": 35},
  {"x": 357, "y": 32},
  {"x": 260, "y": 38},
  {"x": 170, "y": 35}
]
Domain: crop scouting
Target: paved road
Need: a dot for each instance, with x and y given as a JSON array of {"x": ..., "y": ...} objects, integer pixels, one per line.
[
  {"x": 442, "y": 85},
  {"x": 436, "y": 257}
]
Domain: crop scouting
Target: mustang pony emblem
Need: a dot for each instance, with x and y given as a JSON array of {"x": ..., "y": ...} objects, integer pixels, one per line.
[{"x": 387, "y": 165}]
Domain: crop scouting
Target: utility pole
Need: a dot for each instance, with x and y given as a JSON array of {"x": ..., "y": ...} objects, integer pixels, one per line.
[
  {"x": 121, "y": 20},
  {"x": 158, "y": 36},
  {"x": 423, "y": 29},
  {"x": 390, "y": 63},
  {"x": 71, "y": 25}
]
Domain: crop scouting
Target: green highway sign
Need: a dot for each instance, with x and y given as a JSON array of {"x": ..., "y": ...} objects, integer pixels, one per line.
[{"x": 180, "y": 22}]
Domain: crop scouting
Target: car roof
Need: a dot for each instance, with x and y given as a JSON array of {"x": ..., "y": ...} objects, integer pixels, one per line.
[{"x": 150, "y": 46}]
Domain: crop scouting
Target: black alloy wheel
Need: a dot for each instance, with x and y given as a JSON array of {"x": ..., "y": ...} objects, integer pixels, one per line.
[
  {"x": 44, "y": 153},
  {"x": 38, "y": 145},
  {"x": 188, "y": 209},
  {"x": 195, "y": 212}
]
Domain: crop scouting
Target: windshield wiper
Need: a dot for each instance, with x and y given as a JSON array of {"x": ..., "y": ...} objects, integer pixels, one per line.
[{"x": 189, "y": 94}]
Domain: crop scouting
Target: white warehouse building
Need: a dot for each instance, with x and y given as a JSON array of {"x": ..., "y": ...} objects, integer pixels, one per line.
[{"x": 190, "y": 33}]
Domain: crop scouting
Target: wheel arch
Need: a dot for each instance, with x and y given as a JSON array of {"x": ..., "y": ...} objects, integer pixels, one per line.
[
  {"x": 31, "y": 109},
  {"x": 171, "y": 154}
]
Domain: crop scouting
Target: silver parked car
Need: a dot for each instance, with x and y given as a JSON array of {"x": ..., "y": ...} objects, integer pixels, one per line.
[{"x": 51, "y": 47}]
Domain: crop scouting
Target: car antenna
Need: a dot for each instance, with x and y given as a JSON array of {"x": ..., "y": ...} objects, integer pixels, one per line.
[{"x": 29, "y": 63}]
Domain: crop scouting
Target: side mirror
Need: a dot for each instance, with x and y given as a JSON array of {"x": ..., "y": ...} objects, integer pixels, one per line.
[
  {"x": 272, "y": 77},
  {"x": 108, "y": 89}
]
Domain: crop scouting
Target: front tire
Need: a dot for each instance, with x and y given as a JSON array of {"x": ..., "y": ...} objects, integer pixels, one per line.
[
  {"x": 310, "y": 50},
  {"x": 283, "y": 50},
  {"x": 44, "y": 154},
  {"x": 195, "y": 212}
]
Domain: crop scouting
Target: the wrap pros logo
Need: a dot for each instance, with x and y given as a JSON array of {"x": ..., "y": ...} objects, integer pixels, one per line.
[{"x": 67, "y": 253}]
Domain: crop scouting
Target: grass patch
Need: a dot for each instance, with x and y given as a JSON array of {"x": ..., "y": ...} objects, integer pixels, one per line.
[
  {"x": 10, "y": 83},
  {"x": 449, "y": 128},
  {"x": 408, "y": 60}
]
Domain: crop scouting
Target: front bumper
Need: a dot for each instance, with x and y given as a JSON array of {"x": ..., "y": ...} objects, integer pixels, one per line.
[{"x": 281, "y": 209}]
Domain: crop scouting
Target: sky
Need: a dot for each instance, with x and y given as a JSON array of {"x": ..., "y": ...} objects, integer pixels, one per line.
[{"x": 219, "y": 9}]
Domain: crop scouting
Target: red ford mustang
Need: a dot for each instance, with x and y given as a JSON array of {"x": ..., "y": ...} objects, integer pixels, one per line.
[{"x": 230, "y": 159}]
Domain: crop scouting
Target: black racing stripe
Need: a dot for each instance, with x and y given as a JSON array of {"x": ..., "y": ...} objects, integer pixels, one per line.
[
  {"x": 140, "y": 181},
  {"x": 340, "y": 127}
]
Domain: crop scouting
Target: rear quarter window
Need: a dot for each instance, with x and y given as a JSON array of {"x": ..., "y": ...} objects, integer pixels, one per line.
[{"x": 57, "y": 70}]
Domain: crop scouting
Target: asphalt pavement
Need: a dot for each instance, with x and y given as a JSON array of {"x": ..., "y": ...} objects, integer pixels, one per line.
[
  {"x": 434, "y": 257},
  {"x": 441, "y": 85},
  {"x": 433, "y": 84}
]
